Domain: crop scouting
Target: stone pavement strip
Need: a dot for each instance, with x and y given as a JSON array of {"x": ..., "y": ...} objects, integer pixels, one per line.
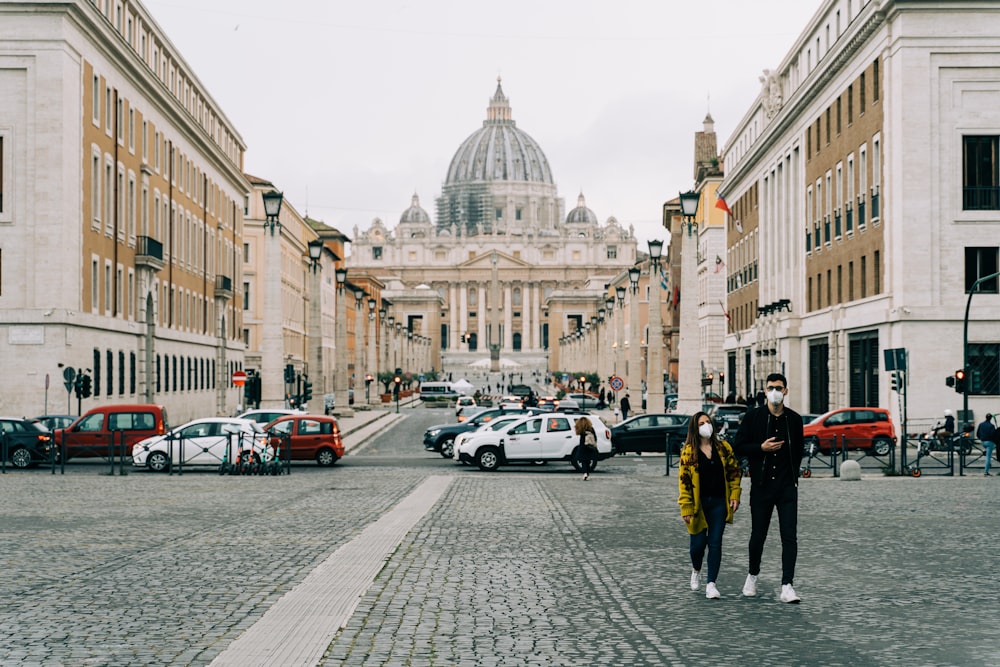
[{"x": 299, "y": 627}]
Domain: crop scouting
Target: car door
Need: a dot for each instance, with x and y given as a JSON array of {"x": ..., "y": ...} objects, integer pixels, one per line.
[
  {"x": 194, "y": 444},
  {"x": 558, "y": 436},
  {"x": 88, "y": 438},
  {"x": 862, "y": 429},
  {"x": 307, "y": 440},
  {"x": 524, "y": 440}
]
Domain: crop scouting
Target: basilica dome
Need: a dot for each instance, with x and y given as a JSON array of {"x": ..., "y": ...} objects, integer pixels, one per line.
[
  {"x": 499, "y": 151},
  {"x": 415, "y": 214},
  {"x": 581, "y": 213}
]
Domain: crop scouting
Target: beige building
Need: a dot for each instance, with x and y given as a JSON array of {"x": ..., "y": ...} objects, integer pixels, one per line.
[
  {"x": 121, "y": 207},
  {"x": 502, "y": 265}
]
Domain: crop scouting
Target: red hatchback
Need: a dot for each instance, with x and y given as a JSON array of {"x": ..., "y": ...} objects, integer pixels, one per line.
[
  {"x": 857, "y": 428},
  {"x": 311, "y": 437}
]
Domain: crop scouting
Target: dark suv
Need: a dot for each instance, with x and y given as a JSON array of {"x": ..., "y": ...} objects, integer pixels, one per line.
[
  {"x": 441, "y": 438},
  {"x": 24, "y": 442}
]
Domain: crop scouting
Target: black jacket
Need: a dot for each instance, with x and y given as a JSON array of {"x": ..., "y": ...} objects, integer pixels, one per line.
[{"x": 753, "y": 432}]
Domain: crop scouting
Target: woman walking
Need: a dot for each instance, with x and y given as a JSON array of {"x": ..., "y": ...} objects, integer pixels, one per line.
[
  {"x": 709, "y": 483},
  {"x": 588, "y": 446}
]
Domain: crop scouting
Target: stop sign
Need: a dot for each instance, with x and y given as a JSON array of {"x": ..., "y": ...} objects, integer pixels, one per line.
[{"x": 239, "y": 378}]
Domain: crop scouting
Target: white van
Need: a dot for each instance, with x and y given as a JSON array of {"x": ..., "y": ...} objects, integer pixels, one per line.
[{"x": 438, "y": 392}]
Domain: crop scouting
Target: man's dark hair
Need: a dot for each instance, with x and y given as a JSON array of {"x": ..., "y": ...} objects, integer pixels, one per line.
[{"x": 774, "y": 377}]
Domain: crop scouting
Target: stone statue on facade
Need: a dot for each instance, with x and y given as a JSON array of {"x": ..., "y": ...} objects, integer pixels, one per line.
[{"x": 770, "y": 93}]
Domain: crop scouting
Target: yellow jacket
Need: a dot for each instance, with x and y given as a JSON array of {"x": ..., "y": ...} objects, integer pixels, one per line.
[{"x": 690, "y": 486}]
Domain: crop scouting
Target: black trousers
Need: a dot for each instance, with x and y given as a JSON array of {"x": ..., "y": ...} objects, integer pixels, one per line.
[{"x": 763, "y": 501}]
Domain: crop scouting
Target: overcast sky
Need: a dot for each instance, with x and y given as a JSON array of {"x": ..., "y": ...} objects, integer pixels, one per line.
[{"x": 351, "y": 106}]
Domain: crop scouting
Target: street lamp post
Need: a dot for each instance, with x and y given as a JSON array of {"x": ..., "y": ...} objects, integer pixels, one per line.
[
  {"x": 341, "y": 397},
  {"x": 635, "y": 344},
  {"x": 272, "y": 348},
  {"x": 689, "y": 358},
  {"x": 315, "y": 324},
  {"x": 654, "y": 354},
  {"x": 359, "y": 347},
  {"x": 620, "y": 335},
  {"x": 372, "y": 364}
]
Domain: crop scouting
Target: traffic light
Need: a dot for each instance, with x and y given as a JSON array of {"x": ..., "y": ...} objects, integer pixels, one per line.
[
  {"x": 289, "y": 374},
  {"x": 950, "y": 381},
  {"x": 960, "y": 381},
  {"x": 307, "y": 391},
  {"x": 82, "y": 386},
  {"x": 396, "y": 381},
  {"x": 87, "y": 386},
  {"x": 463, "y": 338},
  {"x": 895, "y": 381}
]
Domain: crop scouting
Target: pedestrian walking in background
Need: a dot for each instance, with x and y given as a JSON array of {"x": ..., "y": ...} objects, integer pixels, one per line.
[
  {"x": 588, "y": 446},
  {"x": 709, "y": 480},
  {"x": 625, "y": 406},
  {"x": 987, "y": 434},
  {"x": 771, "y": 438}
]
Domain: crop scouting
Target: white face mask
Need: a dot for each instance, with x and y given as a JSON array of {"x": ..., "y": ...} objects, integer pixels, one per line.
[
  {"x": 776, "y": 397},
  {"x": 705, "y": 430}
]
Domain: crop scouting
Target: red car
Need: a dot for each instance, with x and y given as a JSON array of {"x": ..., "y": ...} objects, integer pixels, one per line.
[
  {"x": 311, "y": 437},
  {"x": 858, "y": 428}
]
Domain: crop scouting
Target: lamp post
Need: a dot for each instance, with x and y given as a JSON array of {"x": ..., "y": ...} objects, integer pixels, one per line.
[
  {"x": 602, "y": 362},
  {"x": 635, "y": 340},
  {"x": 372, "y": 364},
  {"x": 688, "y": 354},
  {"x": 620, "y": 335},
  {"x": 341, "y": 396},
  {"x": 315, "y": 320},
  {"x": 359, "y": 343},
  {"x": 654, "y": 348},
  {"x": 272, "y": 348}
]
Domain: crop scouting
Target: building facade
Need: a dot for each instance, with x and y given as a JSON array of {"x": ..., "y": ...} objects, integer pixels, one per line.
[
  {"x": 502, "y": 266},
  {"x": 863, "y": 184},
  {"x": 121, "y": 209}
]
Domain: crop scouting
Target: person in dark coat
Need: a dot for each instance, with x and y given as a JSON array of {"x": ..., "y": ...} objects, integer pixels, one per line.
[
  {"x": 625, "y": 406},
  {"x": 771, "y": 438}
]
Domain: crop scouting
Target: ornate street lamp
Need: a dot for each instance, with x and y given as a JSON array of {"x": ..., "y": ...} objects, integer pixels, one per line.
[
  {"x": 633, "y": 277},
  {"x": 272, "y": 207},
  {"x": 620, "y": 293},
  {"x": 341, "y": 274},
  {"x": 371, "y": 310},
  {"x": 315, "y": 252},
  {"x": 689, "y": 208},
  {"x": 655, "y": 251}
]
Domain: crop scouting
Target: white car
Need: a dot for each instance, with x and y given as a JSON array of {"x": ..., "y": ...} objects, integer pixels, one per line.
[
  {"x": 464, "y": 407},
  {"x": 511, "y": 402},
  {"x": 546, "y": 437},
  {"x": 493, "y": 425},
  {"x": 211, "y": 441}
]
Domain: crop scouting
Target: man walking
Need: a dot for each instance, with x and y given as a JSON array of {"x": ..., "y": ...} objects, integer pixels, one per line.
[
  {"x": 625, "y": 405},
  {"x": 771, "y": 438},
  {"x": 987, "y": 434}
]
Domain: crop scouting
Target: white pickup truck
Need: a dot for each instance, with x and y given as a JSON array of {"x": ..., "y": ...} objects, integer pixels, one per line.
[{"x": 544, "y": 437}]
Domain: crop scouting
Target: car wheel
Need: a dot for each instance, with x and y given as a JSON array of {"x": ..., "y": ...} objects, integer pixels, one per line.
[
  {"x": 881, "y": 446},
  {"x": 20, "y": 457},
  {"x": 326, "y": 457},
  {"x": 157, "y": 461},
  {"x": 448, "y": 448},
  {"x": 488, "y": 458}
]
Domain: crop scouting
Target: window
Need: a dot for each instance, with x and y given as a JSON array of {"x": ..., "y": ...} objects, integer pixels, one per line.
[
  {"x": 876, "y": 176},
  {"x": 246, "y": 296},
  {"x": 517, "y": 213},
  {"x": 95, "y": 102},
  {"x": 107, "y": 110},
  {"x": 877, "y": 270},
  {"x": 850, "y": 104},
  {"x": 981, "y": 262},
  {"x": 121, "y": 373},
  {"x": 377, "y": 253},
  {"x": 980, "y": 179},
  {"x": 94, "y": 283},
  {"x": 97, "y": 372},
  {"x": 131, "y": 130},
  {"x": 110, "y": 357},
  {"x": 612, "y": 252},
  {"x": 499, "y": 213},
  {"x": 107, "y": 288},
  {"x": 875, "y": 83},
  {"x": 145, "y": 142},
  {"x": 984, "y": 369},
  {"x": 861, "y": 95}
]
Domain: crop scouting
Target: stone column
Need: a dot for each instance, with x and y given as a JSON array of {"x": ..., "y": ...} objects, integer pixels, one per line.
[
  {"x": 272, "y": 348},
  {"x": 508, "y": 319}
]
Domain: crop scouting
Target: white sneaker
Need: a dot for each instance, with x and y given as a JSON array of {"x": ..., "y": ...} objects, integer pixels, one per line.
[
  {"x": 711, "y": 592},
  {"x": 695, "y": 579},
  {"x": 788, "y": 594},
  {"x": 750, "y": 586}
]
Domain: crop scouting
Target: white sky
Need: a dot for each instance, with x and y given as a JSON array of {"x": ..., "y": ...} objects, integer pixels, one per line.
[{"x": 351, "y": 106}]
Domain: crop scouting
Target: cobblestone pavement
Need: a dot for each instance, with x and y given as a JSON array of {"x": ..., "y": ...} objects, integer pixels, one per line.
[{"x": 527, "y": 566}]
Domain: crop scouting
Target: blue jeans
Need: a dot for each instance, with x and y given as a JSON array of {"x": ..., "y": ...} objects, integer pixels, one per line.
[
  {"x": 715, "y": 514},
  {"x": 989, "y": 446}
]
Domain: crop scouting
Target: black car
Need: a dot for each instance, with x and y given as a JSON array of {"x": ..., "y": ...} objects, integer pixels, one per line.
[
  {"x": 441, "y": 438},
  {"x": 650, "y": 433},
  {"x": 25, "y": 442},
  {"x": 728, "y": 414}
]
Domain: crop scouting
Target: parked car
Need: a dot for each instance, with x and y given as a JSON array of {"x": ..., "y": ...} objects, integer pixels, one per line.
[
  {"x": 727, "y": 416},
  {"x": 585, "y": 401},
  {"x": 52, "y": 422},
  {"x": 441, "y": 438},
  {"x": 209, "y": 441},
  {"x": 511, "y": 402},
  {"x": 268, "y": 416},
  {"x": 858, "y": 428},
  {"x": 311, "y": 437},
  {"x": 568, "y": 405},
  {"x": 496, "y": 423},
  {"x": 650, "y": 433},
  {"x": 542, "y": 437},
  {"x": 91, "y": 435},
  {"x": 521, "y": 390},
  {"x": 548, "y": 402},
  {"x": 464, "y": 407},
  {"x": 28, "y": 443}
]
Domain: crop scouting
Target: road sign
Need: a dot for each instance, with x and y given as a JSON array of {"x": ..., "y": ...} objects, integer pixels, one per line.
[
  {"x": 616, "y": 383},
  {"x": 239, "y": 378}
]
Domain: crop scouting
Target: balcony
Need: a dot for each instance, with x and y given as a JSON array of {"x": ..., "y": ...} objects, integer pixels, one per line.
[
  {"x": 149, "y": 253},
  {"x": 223, "y": 287}
]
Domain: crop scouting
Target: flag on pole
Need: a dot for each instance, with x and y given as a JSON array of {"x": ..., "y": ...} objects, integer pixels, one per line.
[
  {"x": 719, "y": 264},
  {"x": 720, "y": 202},
  {"x": 664, "y": 279}
]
